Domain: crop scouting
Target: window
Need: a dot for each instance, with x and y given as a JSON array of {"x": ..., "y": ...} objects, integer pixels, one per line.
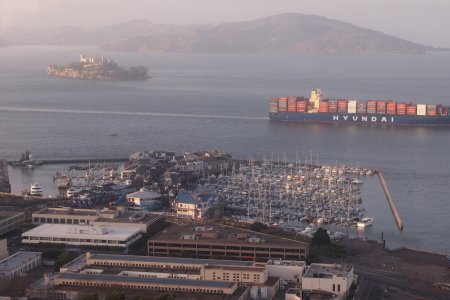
[
  {"x": 339, "y": 287},
  {"x": 334, "y": 287}
]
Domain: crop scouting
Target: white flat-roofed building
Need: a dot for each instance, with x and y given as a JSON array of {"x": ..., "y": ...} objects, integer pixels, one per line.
[
  {"x": 20, "y": 263},
  {"x": 104, "y": 217},
  {"x": 332, "y": 278},
  {"x": 86, "y": 235},
  {"x": 287, "y": 270}
]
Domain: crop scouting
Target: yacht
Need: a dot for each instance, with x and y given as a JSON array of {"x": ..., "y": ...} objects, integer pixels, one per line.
[
  {"x": 71, "y": 192},
  {"x": 36, "y": 189},
  {"x": 358, "y": 181},
  {"x": 364, "y": 222}
]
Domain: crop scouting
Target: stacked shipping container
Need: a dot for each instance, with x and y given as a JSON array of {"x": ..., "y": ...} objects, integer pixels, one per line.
[
  {"x": 401, "y": 108},
  {"x": 332, "y": 106},
  {"x": 292, "y": 104},
  {"x": 381, "y": 107},
  {"x": 323, "y": 106},
  {"x": 391, "y": 108},
  {"x": 301, "y": 105},
  {"x": 371, "y": 107},
  {"x": 282, "y": 104},
  {"x": 432, "y": 110},
  {"x": 342, "y": 106},
  {"x": 273, "y": 105},
  {"x": 411, "y": 109},
  {"x": 421, "y": 109},
  {"x": 361, "y": 107},
  {"x": 351, "y": 108}
]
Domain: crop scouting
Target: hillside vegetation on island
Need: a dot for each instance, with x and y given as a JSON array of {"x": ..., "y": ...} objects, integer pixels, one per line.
[{"x": 285, "y": 33}]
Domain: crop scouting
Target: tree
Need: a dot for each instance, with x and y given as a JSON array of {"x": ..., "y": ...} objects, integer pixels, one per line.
[
  {"x": 166, "y": 296},
  {"x": 257, "y": 226},
  {"x": 62, "y": 259},
  {"x": 321, "y": 237},
  {"x": 115, "y": 296}
]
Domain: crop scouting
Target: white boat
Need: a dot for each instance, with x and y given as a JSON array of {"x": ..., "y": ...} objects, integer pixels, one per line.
[
  {"x": 364, "y": 222},
  {"x": 71, "y": 192},
  {"x": 358, "y": 181},
  {"x": 36, "y": 189}
]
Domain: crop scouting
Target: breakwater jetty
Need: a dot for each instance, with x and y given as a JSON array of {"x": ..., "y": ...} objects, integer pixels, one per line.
[{"x": 390, "y": 201}]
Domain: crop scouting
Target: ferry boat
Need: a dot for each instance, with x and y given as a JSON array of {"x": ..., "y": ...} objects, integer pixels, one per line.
[
  {"x": 349, "y": 111},
  {"x": 36, "y": 190},
  {"x": 365, "y": 222}
]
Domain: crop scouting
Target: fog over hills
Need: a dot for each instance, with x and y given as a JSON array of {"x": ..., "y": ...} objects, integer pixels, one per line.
[{"x": 284, "y": 33}]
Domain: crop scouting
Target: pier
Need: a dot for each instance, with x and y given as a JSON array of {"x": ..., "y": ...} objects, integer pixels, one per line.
[
  {"x": 75, "y": 160},
  {"x": 84, "y": 160},
  {"x": 390, "y": 201}
]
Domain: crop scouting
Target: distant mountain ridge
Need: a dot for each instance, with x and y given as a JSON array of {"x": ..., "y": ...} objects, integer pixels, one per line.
[{"x": 284, "y": 33}]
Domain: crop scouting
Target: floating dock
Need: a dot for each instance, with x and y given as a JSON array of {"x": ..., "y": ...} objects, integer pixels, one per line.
[{"x": 394, "y": 210}]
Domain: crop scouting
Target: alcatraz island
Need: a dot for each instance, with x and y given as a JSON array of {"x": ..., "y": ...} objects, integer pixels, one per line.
[{"x": 97, "y": 68}]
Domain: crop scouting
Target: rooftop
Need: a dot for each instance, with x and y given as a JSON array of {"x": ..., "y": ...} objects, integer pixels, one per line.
[
  {"x": 177, "y": 260},
  {"x": 8, "y": 214},
  {"x": 17, "y": 259},
  {"x": 65, "y": 211},
  {"x": 82, "y": 231},
  {"x": 280, "y": 262},
  {"x": 165, "y": 281},
  {"x": 228, "y": 235},
  {"x": 104, "y": 215},
  {"x": 328, "y": 270},
  {"x": 144, "y": 193}
]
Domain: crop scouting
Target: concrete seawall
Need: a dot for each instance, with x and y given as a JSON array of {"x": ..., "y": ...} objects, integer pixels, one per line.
[{"x": 390, "y": 201}]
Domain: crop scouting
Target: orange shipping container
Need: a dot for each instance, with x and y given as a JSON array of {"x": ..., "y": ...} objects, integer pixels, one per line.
[{"x": 411, "y": 110}]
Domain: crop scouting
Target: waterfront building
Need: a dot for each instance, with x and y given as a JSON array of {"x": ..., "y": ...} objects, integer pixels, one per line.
[
  {"x": 225, "y": 243},
  {"x": 200, "y": 272},
  {"x": 19, "y": 264},
  {"x": 82, "y": 235},
  {"x": 287, "y": 270},
  {"x": 145, "y": 199},
  {"x": 105, "y": 217},
  {"x": 76, "y": 285},
  {"x": 5, "y": 186},
  {"x": 10, "y": 220},
  {"x": 333, "y": 278},
  {"x": 192, "y": 206}
]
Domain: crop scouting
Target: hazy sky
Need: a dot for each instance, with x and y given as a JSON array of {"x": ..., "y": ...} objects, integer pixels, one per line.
[{"x": 423, "y": 21}]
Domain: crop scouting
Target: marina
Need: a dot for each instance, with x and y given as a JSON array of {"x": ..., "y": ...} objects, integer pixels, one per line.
[
  {"x": 298, "y": 197},
  {"x": 292, "y": 195}
]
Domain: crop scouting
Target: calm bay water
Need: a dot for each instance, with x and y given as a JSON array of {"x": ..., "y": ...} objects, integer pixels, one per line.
[{"x": 219, "y": 101}]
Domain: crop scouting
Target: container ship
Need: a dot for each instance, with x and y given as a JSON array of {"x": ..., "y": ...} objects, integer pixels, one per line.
[{"x": 348, "y": 111}]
